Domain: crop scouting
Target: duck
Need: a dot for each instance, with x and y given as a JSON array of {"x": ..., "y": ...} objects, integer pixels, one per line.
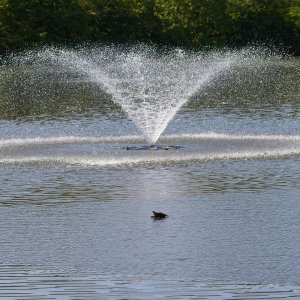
[{"x": 158, "y": 215}]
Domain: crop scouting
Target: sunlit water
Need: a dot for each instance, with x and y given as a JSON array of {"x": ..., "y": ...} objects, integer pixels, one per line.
[{"x": 75, "y": 204}]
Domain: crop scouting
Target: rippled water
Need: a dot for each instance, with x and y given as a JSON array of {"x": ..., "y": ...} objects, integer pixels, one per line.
[{"x": 75, "y": 204}]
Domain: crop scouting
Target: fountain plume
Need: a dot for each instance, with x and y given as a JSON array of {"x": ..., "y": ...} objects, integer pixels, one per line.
[{"x": 149, "y": 84}]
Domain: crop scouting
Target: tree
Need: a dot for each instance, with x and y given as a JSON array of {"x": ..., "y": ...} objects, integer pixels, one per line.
[
  {"x": 261, "y": 21},
  {"x": 193, "y": 22}
]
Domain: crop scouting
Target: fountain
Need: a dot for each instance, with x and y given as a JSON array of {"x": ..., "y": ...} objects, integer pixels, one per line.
[{"x": 150, "y": 85}]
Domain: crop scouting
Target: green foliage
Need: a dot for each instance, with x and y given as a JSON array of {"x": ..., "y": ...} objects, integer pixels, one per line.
[
  {"x": 261, "y": 20},
  {"x": 120, "y": 20},
  {"x": 191, "y": 23},
  {"x": 293, "y": 16},
  {"x": 55, "y": 20}
]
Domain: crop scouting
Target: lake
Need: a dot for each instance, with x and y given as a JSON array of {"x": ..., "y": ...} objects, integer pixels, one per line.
[{"x": 78, "y": 190}]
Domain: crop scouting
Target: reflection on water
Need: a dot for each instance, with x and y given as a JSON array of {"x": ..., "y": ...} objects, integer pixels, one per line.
[{"x": 55, "y": 185}]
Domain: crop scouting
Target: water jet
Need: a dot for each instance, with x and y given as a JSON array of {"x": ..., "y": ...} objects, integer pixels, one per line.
[{"x": 150, "y": 85}]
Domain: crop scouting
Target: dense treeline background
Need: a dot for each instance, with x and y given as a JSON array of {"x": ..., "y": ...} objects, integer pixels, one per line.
[{"x": 189, "y": 23}]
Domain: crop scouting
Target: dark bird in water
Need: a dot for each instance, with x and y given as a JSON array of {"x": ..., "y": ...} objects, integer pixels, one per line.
[{"x": 158, "y": 215}]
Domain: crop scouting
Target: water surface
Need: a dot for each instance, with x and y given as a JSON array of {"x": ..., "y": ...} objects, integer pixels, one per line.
[{"x": 75, "y": 205}]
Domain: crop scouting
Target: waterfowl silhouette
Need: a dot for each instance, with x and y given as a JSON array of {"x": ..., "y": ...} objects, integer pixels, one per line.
[{"x": 158, "y": 215}]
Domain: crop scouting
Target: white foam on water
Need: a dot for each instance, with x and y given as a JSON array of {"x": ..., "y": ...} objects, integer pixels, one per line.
[
  {"x": 153, "y": 158},
  {"x": 68, "y": 140},
  {"x": 265, "y": 147},
  {"x": 222, "y": 136},
  {"x": 13, "y": 142}
]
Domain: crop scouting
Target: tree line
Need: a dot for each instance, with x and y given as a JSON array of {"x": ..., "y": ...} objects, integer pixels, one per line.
[{"x": 187, "y": 23}]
